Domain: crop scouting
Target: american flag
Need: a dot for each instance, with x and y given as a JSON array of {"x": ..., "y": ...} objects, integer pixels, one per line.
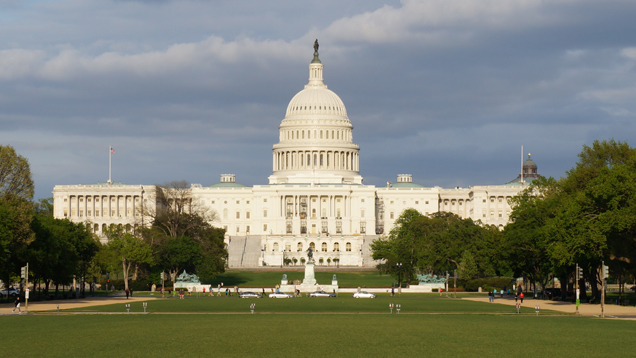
[{"x": 112, "y": 150}]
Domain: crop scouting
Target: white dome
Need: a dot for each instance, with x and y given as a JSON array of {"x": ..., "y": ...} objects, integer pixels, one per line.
[
  {"x": 316, "y": 100},
  {"x": 315, "y": 138}
]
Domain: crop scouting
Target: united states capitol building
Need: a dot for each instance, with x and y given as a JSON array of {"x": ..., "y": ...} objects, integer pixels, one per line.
[{"x": 315, "y": 195}]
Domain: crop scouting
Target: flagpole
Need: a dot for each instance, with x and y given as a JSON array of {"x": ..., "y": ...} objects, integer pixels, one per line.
[
  {"x": 110, "y": 154},
  {"x": 522, "y": 164}
]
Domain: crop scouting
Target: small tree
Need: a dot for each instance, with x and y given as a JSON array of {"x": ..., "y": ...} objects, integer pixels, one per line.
[
  {"x": 302, "y": 260},
  {"x": 467, "y": 267},
  {"x": 320, "y": 261},
  {"x": 328, "y": 261},
  {"x": 295, "y": 261}
]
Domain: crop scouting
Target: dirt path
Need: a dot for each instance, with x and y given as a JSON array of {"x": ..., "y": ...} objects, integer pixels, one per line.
[
  {"x": 584, "y": 309},
  {"x": 6, "y": 308}
]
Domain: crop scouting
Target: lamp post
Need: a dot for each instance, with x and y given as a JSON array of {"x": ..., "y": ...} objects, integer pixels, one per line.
[
  {"x": 447, "y": 276},
  {"x": 455, "y": 283},
  {"x": 399, "y": 266}
]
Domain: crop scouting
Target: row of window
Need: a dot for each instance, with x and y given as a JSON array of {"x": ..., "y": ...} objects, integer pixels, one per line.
[
  {"x": 81, "y": 199},
  {"x": 300, "y": 247},
  {"x": 113, "y": 213},
  {"x": 290, "y": 134}
]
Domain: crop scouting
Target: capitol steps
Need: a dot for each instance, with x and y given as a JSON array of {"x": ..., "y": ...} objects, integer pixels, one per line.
[
  {"x": 235, "y": 251},
  {"x": 244, "y": 251},
  {"x": 367, "y": 253},
  {"x": 252, "y": 251}
]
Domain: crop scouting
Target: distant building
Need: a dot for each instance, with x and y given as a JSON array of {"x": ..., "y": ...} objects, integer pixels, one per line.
[{"x": 315, "y": 195}]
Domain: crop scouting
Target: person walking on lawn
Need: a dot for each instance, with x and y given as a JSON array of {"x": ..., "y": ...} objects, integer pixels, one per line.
[{"x": 17, "y": 304}]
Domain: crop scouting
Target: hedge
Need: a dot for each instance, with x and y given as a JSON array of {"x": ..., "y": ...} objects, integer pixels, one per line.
[{"x": 490, "y": 283}]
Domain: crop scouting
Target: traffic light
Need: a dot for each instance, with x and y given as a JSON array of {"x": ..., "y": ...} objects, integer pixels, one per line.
[
  {"x": 605, "y": 271},
  {"x": 163, "y": 275},
  {"x": 108, "y": 276},
  {"x": 580, "y": 273},
  {"x": 23, "y": 272}
]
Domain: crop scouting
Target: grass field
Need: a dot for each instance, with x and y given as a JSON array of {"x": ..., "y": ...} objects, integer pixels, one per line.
[
  {"x": 309, "y": 335},
  {"x": 305, "y": 305},
  {"x": 272, "y": 278}
]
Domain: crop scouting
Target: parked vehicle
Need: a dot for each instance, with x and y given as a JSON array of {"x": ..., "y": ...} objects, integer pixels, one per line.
[
  {"x": 12, "y": 292},
  {"x": 250, "y": 295},
  {"x": 364, "y": 294},
  {"x": 280, "y": 295},
  {"x": 322, "y": 294}
]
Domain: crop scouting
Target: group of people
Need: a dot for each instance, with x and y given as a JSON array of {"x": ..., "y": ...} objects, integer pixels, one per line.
[{"x": 492, "y": 294}]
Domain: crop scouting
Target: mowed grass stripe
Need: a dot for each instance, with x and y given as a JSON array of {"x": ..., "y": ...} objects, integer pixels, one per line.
[
  {"x": 343, "y": 304},
  {"x": 334, "y": 335}
]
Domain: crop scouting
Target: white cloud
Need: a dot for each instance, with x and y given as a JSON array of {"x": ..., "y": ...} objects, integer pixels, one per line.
[
  {"x": 16, "y": 63},
  {"x": 629, "y": 52},
  {"x": 436, "y": 21}
]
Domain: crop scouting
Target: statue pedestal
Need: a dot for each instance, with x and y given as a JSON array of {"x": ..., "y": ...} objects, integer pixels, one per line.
[
  {"x": 310, "y": 274},
  {"x": 309, "y": 282}
]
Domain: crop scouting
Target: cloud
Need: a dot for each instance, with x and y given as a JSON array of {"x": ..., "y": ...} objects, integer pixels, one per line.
[{"x": 16, "y": 63}]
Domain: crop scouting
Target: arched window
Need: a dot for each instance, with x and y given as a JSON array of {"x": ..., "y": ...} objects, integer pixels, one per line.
[
  {"x": 103, "y": 227},
  {"x": 321, "y": 160},
  {"x": 308, "y": 159},
  {"x": 287, "y": 247},
  {"x": 336, "y": 246},
  {"x": 265, "y": 213},
  {"x": 275, "y": 247},
  {"x": 323, "y": 247},
  {"x": 299, "y": 246},
  {"x": 96, "y": 228},
  {"x": 348, "y": 246}
]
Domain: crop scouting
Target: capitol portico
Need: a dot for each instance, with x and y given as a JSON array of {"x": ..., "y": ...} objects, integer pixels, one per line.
[{"x": 315, "y": 195}]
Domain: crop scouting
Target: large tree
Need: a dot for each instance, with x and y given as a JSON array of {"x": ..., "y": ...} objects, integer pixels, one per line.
[
  {"x": 16, "y": 191},
  {"x": 129, "y": 249},
  {"x": 179, "y": 215},
  {"x": 15, "y": 174},
  {"x": 398, "y": 251},
  {"x": 528, "y": 246}
]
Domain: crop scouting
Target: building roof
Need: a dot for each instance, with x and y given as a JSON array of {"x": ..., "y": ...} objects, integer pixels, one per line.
[
  {"x": 227, "y": 185},
  {"x": 405, "y": 185}
]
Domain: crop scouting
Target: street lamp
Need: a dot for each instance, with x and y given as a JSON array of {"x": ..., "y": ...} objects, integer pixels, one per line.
[
  {"x": 399, "y": 266},
  {"x": 447, "y": 276}
]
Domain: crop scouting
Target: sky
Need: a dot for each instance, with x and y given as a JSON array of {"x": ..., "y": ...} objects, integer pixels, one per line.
[{"x": 445, "y": 90}]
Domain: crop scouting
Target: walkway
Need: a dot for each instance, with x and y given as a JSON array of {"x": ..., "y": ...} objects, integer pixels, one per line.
[
  {"x": 628, "y": 312},
  {"x": 6, "y": 308}
]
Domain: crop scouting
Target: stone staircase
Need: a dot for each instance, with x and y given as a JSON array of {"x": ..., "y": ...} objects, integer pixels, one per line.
[
  {"x": 244, "y": 251},
  {"x": 366, "y": 251}
]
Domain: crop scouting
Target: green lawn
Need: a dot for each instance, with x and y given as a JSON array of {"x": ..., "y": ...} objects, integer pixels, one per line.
[
  {"x": 272, "y": 278},
  {"x": 306, "y": 335},
  {"x": 304, "y": 305}
]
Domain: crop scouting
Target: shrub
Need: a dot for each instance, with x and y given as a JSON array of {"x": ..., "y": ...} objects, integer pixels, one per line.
[{"x": 490, "y": 283}]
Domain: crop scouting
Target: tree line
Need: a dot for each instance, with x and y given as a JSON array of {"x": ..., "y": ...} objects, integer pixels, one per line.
[
  {"x": 586, "y": 217},
  {"x": 180, "y": 237}
]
